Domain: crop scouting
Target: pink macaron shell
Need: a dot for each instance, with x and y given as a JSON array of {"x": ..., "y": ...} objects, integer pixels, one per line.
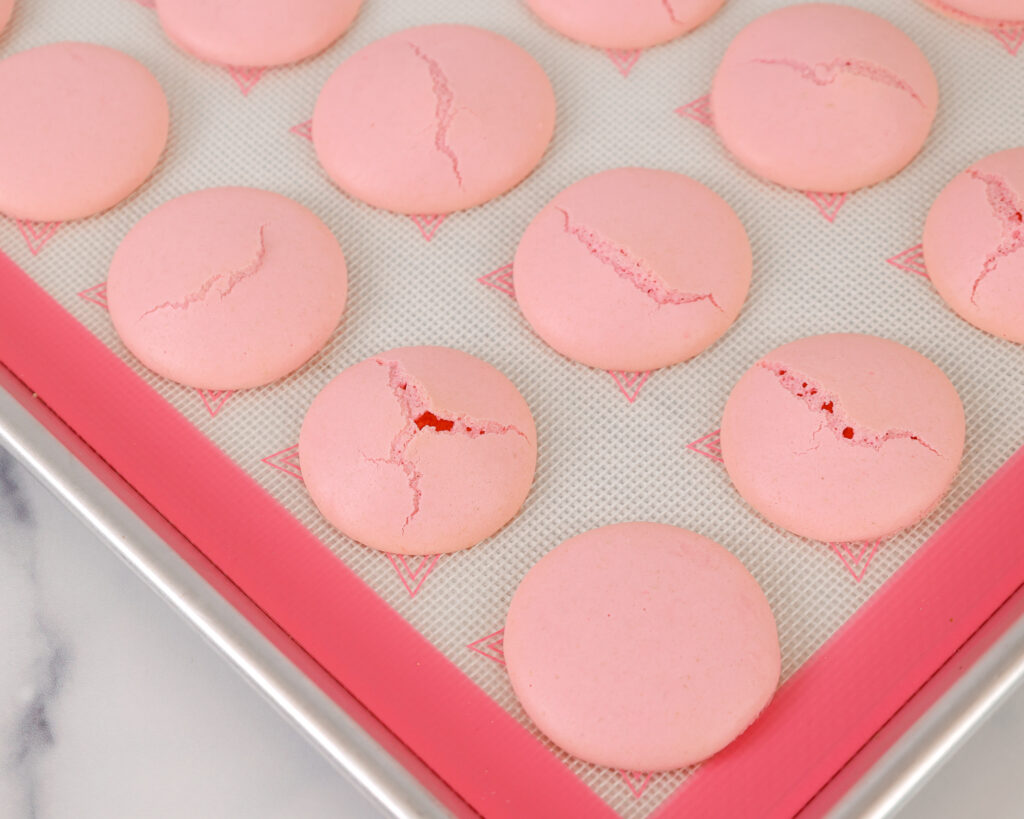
[
  {"x": 6, "y": 10},
  {"x": 434, "y": 119},
  {"x": 823, "y": 98},
  {"x": 632, "y": 269},
  {"x": 974, "y": 244},
  {"x": 986, "y": 13},
  {"x": 255, "y": 32},
  {"x": 624, "y": 24},
  {"x": 227, "y": 288},
  {"x": 788, "y": 452},
  {"x": 83, "y": 127},
  {"x": 641, "y": 646},
  {"x": 398, "y": 487}
]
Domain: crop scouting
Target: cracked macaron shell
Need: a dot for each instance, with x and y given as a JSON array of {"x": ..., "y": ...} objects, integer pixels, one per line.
[
  {"x": 823, "y": 98},
  {"x": 255, "y": 33},
  {"x": 624, "y": 24},
  {"x": 83, "y": 126},
  {"x": 434, "y": 119},
  {"x": 985, "y": 13},
  {"x": 598, "y": 268},
  {"x": 641, "y": 646},
  {"x": 227, "y": 288},
  {"x": 974, "y": 244},
  {"x": 450, "y": 487},
  {"x": 810, "y": 478}
]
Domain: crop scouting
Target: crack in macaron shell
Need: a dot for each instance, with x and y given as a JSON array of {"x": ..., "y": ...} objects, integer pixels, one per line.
[
  {"x": 1009, "y": 211},
  {"x": 421, "y": 417},
  {"x": 229, "y": 280},
  {"x": 972, "y": 242},
  {"x": 829, "y": 407},
  {"x": 866, "y": 448},
  {"x": 445, "y": 111},
  {"x": 227, "y": 288},
  {"x": 825, "y": 98},
  {"x": 433, "y": 119},
  {"x": 826, "y": 73},
  {"x": 419, "y": 450},
  {"x": 632, "y": 269}
]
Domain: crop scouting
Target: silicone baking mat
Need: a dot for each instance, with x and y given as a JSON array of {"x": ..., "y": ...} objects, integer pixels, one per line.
[{"x": 613, "y": 446}]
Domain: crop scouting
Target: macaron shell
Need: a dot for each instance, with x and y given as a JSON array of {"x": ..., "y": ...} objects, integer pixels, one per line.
[
  {"x": 987, "y": 13},
  {"x": 423, "y": 492},
  {"x": 255, "y": 32},
  {"x": 823, "y": 98},
  {"x": 974, "y": 244},
  {"x": 624, "y": 24},
  {"x": 6, "y": 10},
  {"x": 806, "y": 476},
  {"x": 641, "y": 646},
  {"x": 84, "y": 126},
  {"x": 227, "y": 288},
  {"x": 570, "y": 269},
  {"x": 434, "y": 119}
]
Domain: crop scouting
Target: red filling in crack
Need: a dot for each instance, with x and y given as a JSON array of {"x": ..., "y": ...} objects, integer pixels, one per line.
[
  {"x": 628, "y": 267},
  {"x": 826, "y": 73},
  {"x": 833, "y": 417},
  {"x": 421, "y": 419},
  {"x": 1007, "y": 208}
]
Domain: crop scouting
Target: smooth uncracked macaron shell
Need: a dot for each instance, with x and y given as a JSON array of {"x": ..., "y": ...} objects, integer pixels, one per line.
[
  {"x": 633, "y": 269},
  {"x": 986, "y": 13},
  {"x": 227, "y": 288},
  {"x": 255, "y": 32},
  {"x": 823, "y": 98},
  {"x": 434, "y": 119},
  {"x": 974, "y": 244},
  {"x": 624, "y": 24},
  {"x": 419, "y": 450},
  {"x": 83, "y": 127},
  {"x": 843, "y": 438},
  {"x": 641, "y": 646}
]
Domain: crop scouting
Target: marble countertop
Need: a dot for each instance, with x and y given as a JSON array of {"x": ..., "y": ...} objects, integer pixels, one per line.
[{"x": 111, "y": 705}]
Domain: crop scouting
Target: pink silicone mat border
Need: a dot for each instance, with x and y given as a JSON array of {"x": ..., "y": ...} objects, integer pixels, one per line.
[{"x": 817, "y": 721}]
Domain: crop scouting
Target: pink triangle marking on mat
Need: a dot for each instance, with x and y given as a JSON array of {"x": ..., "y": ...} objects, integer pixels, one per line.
[
  {"x": 500, "y": 279},
  {"x": 214, "y": 400},
  {"x": 245, "y": 78},
  {"x": 36, "y": 234},
  {"x": 412, "y": 577},
  {"x": 148, "y": 4},
  {"x": 856, "y": 557},
  {"x": 911, "y": 260},
  {"x": 97, "y": 294},
  {"x": 428, "y": 223},
  {"x": 492, "y": 646},
  {"x": 828, "y": 204},
  {"x": 624, "y": 58},
  {"x": 1010, "y": 38},
  {"x": 636, "y": 781},
  {"x": 303, "y": 129},
  {"x": 710, "y": 446},
  {"x": 699, "y": 110},
  {"x": 287, "y": 461},
  {"x": 629, "y": 384}
]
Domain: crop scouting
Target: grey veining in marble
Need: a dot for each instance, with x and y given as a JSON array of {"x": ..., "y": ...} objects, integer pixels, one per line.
[{"x": 111, "y": 706}]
